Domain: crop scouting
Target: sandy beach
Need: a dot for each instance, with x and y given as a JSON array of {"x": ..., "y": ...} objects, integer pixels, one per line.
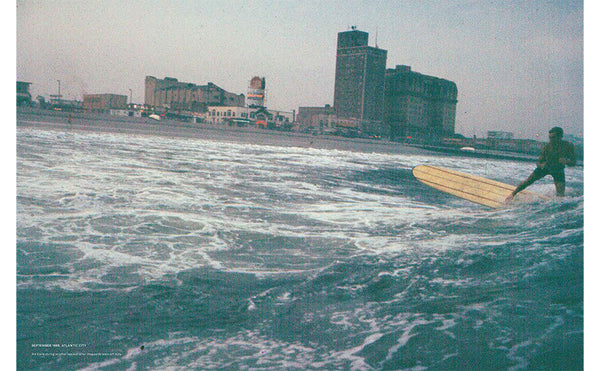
[{"x": 53, "y": 120}]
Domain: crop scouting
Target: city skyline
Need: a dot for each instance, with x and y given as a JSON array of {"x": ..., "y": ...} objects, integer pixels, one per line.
[{"x": 518, "y": 65}]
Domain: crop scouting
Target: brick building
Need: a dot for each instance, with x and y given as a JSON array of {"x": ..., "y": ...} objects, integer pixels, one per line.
[
  {"x": 310, "y": 116},
  {"x": 169, "y": 94},
  {"x": 418, "y": 105},
  {"x": 103, "y": 103},
  {"x": 359, "y": 77}
]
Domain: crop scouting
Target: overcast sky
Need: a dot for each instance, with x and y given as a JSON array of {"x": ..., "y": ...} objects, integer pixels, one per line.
[{"x": 518, "y": 65}]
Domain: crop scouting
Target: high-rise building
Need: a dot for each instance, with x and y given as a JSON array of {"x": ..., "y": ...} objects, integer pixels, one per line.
[
  {"x": 418, "y": 105},
  {"x": 359, "y": 77}
]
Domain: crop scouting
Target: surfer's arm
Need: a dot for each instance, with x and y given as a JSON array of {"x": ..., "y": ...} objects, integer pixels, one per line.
[{"x": 570, "y": 159}]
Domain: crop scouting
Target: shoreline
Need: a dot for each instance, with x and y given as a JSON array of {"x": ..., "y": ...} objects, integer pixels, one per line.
[
  {"x": 104, "y": 123},
  {"x": 53, "y": 120}
]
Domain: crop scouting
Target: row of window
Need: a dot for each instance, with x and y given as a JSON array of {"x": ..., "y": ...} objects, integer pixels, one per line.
[
  {"x": 215, "y": 113},
  {"x": 229, "y": 113}
]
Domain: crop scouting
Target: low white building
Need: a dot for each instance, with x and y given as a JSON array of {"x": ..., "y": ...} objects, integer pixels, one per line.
[
  {"x": 222, "y": 114},
  {"x": 125, "y": 112},
  {"x": 253, "y": 116}
]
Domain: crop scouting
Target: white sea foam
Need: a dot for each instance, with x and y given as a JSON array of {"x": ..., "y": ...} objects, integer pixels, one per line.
[
  {"x": 172, "y": 190},
  {"x": 346, "y": 244}
]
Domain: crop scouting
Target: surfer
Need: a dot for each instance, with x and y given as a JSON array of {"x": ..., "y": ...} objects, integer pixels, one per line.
[{"x": 553, "y": 158}]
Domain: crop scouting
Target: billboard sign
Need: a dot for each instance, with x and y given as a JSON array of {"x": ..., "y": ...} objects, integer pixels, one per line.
[{"x": 256, "y": 92}]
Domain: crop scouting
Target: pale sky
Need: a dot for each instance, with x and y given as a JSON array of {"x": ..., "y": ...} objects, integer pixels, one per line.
[{"x": 518, "y": 65}]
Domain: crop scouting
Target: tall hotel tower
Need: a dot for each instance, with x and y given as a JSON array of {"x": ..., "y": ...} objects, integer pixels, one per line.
[{"x": 359, "y": 77}]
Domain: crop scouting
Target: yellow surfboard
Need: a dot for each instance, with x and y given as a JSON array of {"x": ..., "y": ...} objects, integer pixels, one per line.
[{"x": 470, "y": 187}]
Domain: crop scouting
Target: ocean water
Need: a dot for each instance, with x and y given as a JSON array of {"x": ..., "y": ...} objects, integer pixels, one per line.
[{"x": 139, "y": 252}]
